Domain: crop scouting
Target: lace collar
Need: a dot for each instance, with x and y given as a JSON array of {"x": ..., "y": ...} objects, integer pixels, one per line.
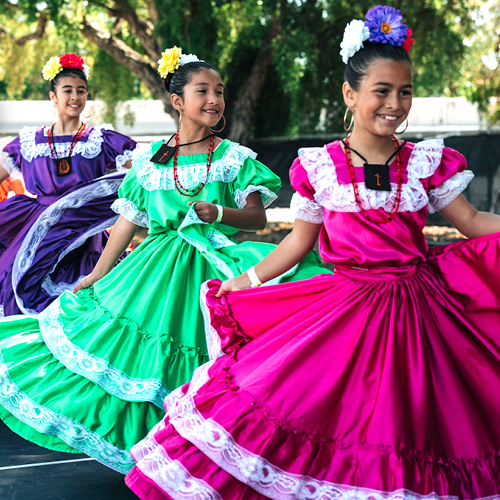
[
  {"x": 154, "y": 177},
  {"x": 88, "y": 149},
  {"x": 322, "y": 175}
]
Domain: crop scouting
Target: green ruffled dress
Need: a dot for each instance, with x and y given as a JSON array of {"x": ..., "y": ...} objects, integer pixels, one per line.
[{"x": 90, "y": 373}]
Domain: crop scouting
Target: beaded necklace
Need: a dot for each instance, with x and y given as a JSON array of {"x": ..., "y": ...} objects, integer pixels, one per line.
[
  {"x": 397, "y": 199},
  {"x": 63, "y": 163},
  {"x": 185, "y": 191}
]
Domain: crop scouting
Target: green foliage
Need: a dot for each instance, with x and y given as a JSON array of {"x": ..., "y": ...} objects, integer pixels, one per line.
[{"x": 302, "y": 91}]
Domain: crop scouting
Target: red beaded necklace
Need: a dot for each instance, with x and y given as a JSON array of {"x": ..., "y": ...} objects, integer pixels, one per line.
[
  {"x": 397, "y": 199},
  {"x": 185, "y": 191},
  {"x": 50, "y": 141}
]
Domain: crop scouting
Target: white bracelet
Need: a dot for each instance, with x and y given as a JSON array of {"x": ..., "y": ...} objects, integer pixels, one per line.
[
  {"x": 252, "y": 276},
  {"x": 220, "y": 209}
]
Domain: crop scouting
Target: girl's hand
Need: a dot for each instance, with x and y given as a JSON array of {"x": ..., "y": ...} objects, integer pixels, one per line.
[
  {"x": 206, "y": 211},
  {"x": 85, "y": 283},
  {"x": 241, "y": 282}
]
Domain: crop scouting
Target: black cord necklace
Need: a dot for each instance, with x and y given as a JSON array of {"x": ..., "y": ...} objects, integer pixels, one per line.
[{"x": 165, "y": 151}]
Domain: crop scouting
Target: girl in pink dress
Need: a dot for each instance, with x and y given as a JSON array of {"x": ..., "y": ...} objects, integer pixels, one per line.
[{"x": 381, "y": 381}]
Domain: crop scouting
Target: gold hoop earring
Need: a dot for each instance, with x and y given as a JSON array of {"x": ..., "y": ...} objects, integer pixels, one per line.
[
  {"x": 91, "y": 112},
  {"x": 402, "y": 132},
  {"x": 223, "y": 126},
  {"x": 347, "y": 129}
]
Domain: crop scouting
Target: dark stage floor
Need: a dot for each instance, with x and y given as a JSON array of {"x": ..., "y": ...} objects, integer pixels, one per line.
[{"x": 28, "y": 472}]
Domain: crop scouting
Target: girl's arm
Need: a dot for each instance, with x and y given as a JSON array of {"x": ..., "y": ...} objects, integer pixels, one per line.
[
  {"x": 4, "y": 175},
  {"x": 288, "y": 253},
  {"x": 119, "y": 240},
  {"x": 250, "y": 218},
  {"x": 469, "y": 221}
]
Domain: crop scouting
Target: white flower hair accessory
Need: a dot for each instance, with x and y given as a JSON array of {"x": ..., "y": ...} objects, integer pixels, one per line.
[
  {"x": 187, "y": 58},
  {"x": 355, "y": 33}
]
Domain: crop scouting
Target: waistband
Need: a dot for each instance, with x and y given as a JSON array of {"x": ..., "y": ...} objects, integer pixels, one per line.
[{"x": 378, "y": 273}]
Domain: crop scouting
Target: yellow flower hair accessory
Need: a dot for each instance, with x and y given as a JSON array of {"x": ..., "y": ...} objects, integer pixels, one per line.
[
  {"x": 172, "y": 59},
  {"x": 52, "y": 68}
]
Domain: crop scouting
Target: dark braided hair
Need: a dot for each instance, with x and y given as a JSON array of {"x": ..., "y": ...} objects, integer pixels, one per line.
[
  {"x": 67, "y": 72},
  {"x": 175, "y": 82},
  {"x": 359, "y": 64}
]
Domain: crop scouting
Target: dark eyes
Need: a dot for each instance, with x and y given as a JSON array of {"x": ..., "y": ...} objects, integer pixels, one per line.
[{"x": 385, "y": 92}]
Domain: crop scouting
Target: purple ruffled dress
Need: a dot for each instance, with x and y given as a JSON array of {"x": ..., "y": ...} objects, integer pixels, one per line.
[
  {"x": 379, "y": 382},
  {"x": 48, "y": 243}
]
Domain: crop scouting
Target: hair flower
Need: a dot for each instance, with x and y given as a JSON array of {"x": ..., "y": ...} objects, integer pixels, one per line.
[
  {"x": 169, "y": 61},
  {"x": 56, "y": 64},
  {"x": 52, "y": 68},
  {"x": 385, "y": 26},
  {"x": 355, "y": 33},
  {"x": 408, "y": 42},
  {"x": 71, "y": 61},
  {"x": 187, "y": 58}
]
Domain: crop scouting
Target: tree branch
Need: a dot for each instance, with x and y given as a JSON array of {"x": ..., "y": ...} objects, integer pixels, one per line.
[
  {"x": 39, "y": 32},
  {"x": 134, "y": 61},
  {"x": 143, "y": 30}
]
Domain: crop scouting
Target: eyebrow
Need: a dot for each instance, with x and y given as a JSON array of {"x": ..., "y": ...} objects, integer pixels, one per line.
[
  {"x": 71, "y": 86},
  {"x": 391, "y": 85},
  {"x": 204, "y": 83}
]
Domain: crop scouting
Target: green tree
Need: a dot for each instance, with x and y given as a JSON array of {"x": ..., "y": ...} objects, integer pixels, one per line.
[{"x": 279, "y": 58}]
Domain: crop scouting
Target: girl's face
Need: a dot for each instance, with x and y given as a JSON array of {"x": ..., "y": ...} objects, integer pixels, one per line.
[
  {"x": 383, "y": 100},
  {"x": 203, "y": 102},
  {"x": 70, "y": 96}
]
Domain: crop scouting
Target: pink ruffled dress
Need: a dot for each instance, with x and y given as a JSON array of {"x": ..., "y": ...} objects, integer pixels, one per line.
[{"x": 381, "y": 381}]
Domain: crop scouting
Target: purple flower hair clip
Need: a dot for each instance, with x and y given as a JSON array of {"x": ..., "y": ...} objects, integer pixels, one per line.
[
  {"x": 385, "y": 25},
  {"x": 382, "y": 25}
]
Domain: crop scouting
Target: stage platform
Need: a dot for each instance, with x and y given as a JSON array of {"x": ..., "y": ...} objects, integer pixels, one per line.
[{"x": 28, "y": 472}]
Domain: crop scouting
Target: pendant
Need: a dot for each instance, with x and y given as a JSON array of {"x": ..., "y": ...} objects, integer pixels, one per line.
[
  {"x": 63, "y": 166},
  {"x": 163, "y": 154},
  {"x": 377, "y": 177}
]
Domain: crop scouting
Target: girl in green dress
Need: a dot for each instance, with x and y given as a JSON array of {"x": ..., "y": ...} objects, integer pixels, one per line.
[{"x": 90, "y": 373}]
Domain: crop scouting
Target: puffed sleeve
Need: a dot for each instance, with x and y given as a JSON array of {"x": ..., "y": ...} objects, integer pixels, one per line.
[
  {"x": 448, "y": 181},
  {"x": 254, "y": 176},
  {"x": 303, "y": 204},
  {"x": 132, "y": 201},
  {"x": 117, "y": 149},
  {"x": 10, "y": 158}
]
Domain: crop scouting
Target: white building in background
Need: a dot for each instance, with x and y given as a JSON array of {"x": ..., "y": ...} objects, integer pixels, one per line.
[{"x": 436, "y": 115}]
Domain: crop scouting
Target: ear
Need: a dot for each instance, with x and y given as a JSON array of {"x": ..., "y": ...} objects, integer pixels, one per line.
[
  {"x": 53, "y": 97},
  {"x": 349, "y": 95},
  {"x": 176, "y": 102}
]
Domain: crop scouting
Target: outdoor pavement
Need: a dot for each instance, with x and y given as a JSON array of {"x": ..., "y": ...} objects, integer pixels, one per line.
[{"x": 28, "y": 472}]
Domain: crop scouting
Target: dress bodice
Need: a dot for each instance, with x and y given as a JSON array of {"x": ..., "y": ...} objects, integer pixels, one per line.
[
  {"x": 149, "y": 197},
  {"x": 433, "y": 177},
  {"x": 98, "y": 150}
]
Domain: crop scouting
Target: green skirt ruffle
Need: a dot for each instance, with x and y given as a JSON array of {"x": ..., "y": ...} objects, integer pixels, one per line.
[{"x": 90, "y": 373}]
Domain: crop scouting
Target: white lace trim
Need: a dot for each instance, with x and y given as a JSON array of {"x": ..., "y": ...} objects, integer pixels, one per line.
[
  {"x": 88, "y": 149},
  {"x": 122, "y": 159},
  {"x": 45, "y": 421},
  {"x": 56, "y": 289},
  {"x": 251, "y": 469},
  {"x": 321, "y": 172},
  {"x": 240, "y": 197},
  {"x": 214, "y": 346},
  {"x": 8, "y": 164},
  {"x": 129, "y": 210},
  {"x": 153, "y": 177},
  {"x": 2, "y": 311},
  {"x": 100, "y": 371},
  {"x": 305, "y": 209},
  {"x": 173, "y": 478},
  {"x": 444, "y": 194},
  {"x": 106, "y": 185}
]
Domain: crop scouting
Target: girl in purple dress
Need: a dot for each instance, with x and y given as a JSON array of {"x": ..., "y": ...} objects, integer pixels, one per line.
[
  {"x": 378, "y": 382},
  {"x": 49, "y": 243}
]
